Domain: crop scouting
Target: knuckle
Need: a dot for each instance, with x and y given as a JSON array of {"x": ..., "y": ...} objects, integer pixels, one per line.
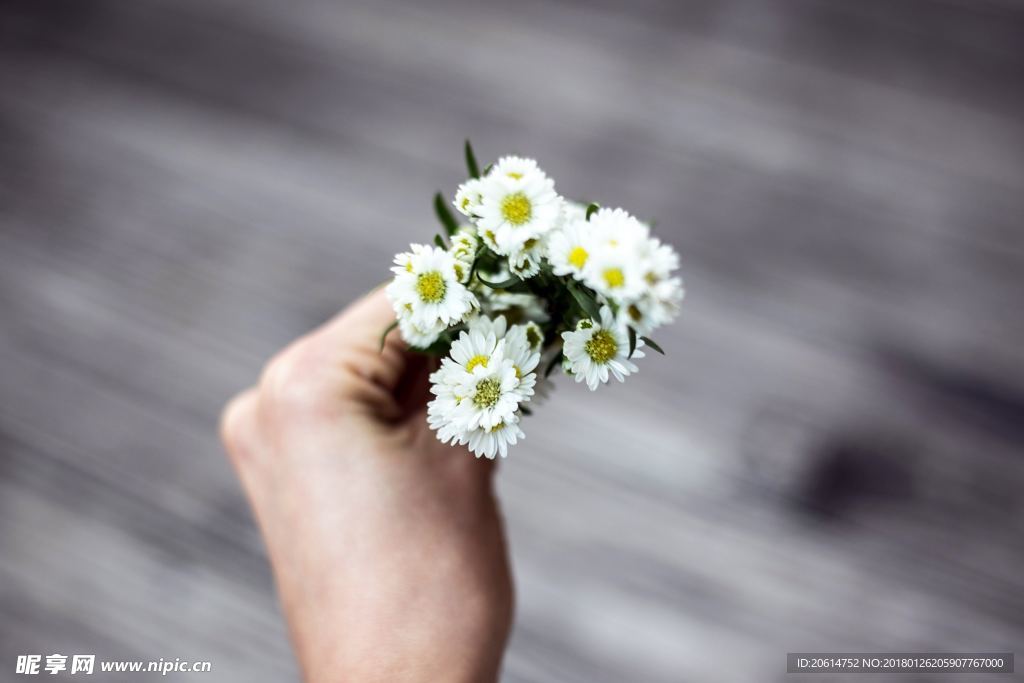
[
  {"x": 290, "y": 381},
  {"x": 277, "y": 374},
  {"x": 236, "y": 422}
]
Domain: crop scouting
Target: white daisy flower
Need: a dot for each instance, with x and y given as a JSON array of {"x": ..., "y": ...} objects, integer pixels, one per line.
[
  {"x": 522, "y": 347},
  {"x": 488, "y": 238},
  {"x": 494, "y": 441},
  {"x": 662, "y": 293},
  {"x": 572, "y": 211},
  {"x": 616, "y": 228},
  {"x": 489, "y": 394},
  {"x": 487, "y": 343},
  {"x": 514, "y": 167},
  {"x": 658, "y": 306},
  {"x": 474, "y": 347},
  {"x": 439, "y": 414},
  {"x": 524, "y": 261},
  {"x": 426, "y": 288},
  {"x": 463, "y": 249},
  {"x": 596, "y": 349},
  {"x": 661, "y": 260},
  {"x": 615, "y": 262},
  {"x": 569, "y": 248},
  {"x": 482, "y": 383},
  {"x": 490, "y": 327},
  {"x": 467, "y": 197},
  {"x": 420, "y": 337},
  {"x": 518, "y": 203},
  {"x": 487, "y": 442},
  {"x": 616, "y": 273}
]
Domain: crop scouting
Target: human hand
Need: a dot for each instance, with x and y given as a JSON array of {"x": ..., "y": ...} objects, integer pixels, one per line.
[{"x": 386, "y": 545}]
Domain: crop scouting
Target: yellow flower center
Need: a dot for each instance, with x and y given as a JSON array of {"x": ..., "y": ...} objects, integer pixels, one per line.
[
  {"x": 513, "y": 174},
  {"x": 487, "y": 393},
  {"x": 635, "y": 313},
  {"x": 465, "y": 203},
  {"x": 519, "y": 373},
  {"x": 516, "y": 208},
  {"x": 614, "y": 277},
  {"x": 475, "y": 361},
  {"x": 602, "y": 347},
  {"x": 578, "y": 256},
  {"x": 430, "y": 286},
  {"x": 408, "y": 266},
  {"x": 459, "y": 272}
]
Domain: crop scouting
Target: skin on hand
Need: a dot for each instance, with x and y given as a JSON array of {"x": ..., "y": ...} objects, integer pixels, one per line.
[{"x": 387, "y": 545}]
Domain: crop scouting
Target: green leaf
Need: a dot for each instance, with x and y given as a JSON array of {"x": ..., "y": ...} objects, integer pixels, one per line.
[
  {"x": 384, "y": 334},
  {"x": 434, "y": 350},
  {"x": 487, "y": 169},
  {"x": 591, "y": 208},
  {"x": 505, "y": 284},
  {"x": 439, "y": 241},
  {"x": 632, "y": 341},
  {"x": 471, "y": 165},
  {"x": 586, "y": 302},
  {"x": 554, "y": 361},
  {"x": 650, "y": 342},
  {"x": 444, "y": 215}
]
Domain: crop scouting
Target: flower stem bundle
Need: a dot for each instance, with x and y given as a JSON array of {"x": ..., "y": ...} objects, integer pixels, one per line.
[{"x": 524, "y": 282}]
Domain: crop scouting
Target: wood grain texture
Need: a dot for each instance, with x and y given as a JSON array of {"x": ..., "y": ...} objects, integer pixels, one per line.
[{"x": 830, "y": 458}]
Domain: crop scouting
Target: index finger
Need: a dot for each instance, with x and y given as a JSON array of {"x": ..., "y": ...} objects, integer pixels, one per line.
[
  {"x": 362, "y": 323},
  {"x": 352, "y": 341}
]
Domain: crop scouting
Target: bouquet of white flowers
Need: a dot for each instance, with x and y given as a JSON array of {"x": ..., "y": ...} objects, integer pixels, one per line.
[{"x": 528, "y": 279}]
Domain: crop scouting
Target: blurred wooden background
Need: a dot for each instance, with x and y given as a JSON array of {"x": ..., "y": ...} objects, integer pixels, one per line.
[{"x": 830, "y": 458}]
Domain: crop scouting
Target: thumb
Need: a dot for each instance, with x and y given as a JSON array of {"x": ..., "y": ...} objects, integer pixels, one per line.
[{"x": 374, "y": 366}]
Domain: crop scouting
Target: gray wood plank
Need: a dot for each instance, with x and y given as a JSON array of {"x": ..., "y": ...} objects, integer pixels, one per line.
[{"x": 828, "y": 459}]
